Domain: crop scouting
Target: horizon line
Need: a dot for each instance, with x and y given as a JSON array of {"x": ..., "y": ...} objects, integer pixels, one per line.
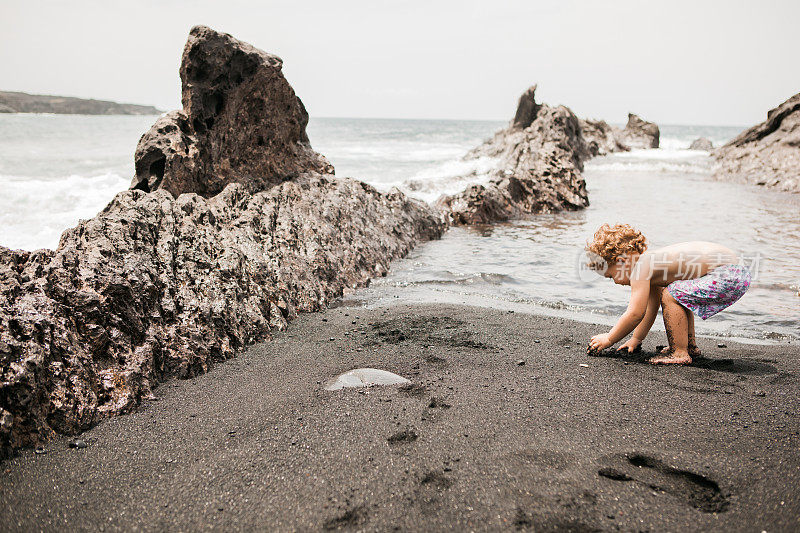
[
  {"x": 509, "y": 120},
  {"x": 418, "y": 119}
]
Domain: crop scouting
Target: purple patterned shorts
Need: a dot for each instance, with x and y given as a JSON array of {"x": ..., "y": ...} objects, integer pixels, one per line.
[{"x": 708, "y": 295}]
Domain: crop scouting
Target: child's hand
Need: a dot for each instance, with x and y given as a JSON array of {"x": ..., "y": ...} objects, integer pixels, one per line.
[
  {"x": 600, "y": 342},
  {"x": 632, "y": 345}
]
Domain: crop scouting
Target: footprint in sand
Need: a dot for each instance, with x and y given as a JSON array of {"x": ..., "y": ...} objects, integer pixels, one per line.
[
  {"x": 431, "y": 487},
  {"x": 412, "y": 389},
  {"x": 438, "y": 403},
  {"x": 523, "y": 521},
  {"x": 351, "y": 518},
  {"x": 439, "y": 331},
  {"x": 402, "y": 437},
  {"x": 436, "y": 480},
  {"x": 694, "y": 489}
]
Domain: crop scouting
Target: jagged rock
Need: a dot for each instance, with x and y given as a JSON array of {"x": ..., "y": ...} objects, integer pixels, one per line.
[
  {"x": 527, "y": 109},
  {"x": 602, "y": 138},
  {"x": 639, "y": 133},
  {"x": 701, "y": 144},
  {"x": 156, "y": 286},
  {"x": 768, "y": 153},
  {"x": 241, "y": 122},
  {"x": 6, "y": 424},
  {"x": 538, "y": 160},
  {"x": 538, "y": 168}
]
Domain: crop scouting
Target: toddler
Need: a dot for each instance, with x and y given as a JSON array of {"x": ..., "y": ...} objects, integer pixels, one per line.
[{"x": 689, "y": 277}]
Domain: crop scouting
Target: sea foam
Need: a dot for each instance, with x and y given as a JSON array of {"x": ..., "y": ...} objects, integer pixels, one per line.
[{"x": 35, "y": 211}]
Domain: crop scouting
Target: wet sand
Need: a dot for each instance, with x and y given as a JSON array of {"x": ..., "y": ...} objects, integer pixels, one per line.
[{"x": 503, "y": 428}]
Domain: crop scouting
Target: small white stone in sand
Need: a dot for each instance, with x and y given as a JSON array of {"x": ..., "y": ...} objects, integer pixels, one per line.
[{"x": 364, "y": 377}]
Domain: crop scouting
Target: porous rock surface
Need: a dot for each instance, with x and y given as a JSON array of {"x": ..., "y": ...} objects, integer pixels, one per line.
[
  {"x": 156, "y": 286},
  {"x": 602, "y": 138},
  {"x": 768, "y": 153},
  {"x": 241, "y": 122},
  {"x": 537, "y": 163},
  {"x": 639, "y": 133},
  {"x": 539, "y": 160}
]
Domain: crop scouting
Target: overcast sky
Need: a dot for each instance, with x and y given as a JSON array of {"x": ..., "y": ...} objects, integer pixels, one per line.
[{"x": 676, "y": 62}]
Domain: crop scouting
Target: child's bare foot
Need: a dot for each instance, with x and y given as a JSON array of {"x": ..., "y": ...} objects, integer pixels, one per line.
[
  {"x": 694, "y": 351},
  {"x": 674, "y": 357}
]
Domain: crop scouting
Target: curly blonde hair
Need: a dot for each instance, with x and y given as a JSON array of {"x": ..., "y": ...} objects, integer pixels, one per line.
[{"x": 612, "y": 242}]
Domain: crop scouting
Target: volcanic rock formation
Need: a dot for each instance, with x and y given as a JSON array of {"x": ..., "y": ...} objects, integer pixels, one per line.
[
  {"x": 768, "y": 153},
  {"x": 241, "y": 122},
  {"x": 639, "y": 133},
  {"x": 602, "y": 139},
  {"x": 537, "y": 163},
  {"x": 701, "y": 144},
  {"x": 156, "y": 286},
  {"x": 539, "y": 160}
]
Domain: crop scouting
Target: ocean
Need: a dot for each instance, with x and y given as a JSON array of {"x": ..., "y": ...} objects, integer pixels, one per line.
[{"x": 57, "y": 169}]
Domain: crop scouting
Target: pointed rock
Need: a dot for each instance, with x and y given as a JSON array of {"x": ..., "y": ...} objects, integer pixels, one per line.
[
  {"x": 527, "y": 108},
  {"x": 241, "y": 122},
  {"x": 639, "y": 133}
]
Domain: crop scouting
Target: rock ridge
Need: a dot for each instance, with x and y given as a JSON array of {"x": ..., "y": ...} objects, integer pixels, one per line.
[
  {"x": 537, "y": 163},
  {"x": 767, "y": 154},
  {"x": 171, "y": 277}
]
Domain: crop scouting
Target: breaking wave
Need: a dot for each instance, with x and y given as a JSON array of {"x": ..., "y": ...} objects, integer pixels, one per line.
[{"x": 34, "y": 212}]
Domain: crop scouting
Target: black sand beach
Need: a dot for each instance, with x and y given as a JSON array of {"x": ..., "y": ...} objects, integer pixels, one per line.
[{"x": 508, "y": 425}]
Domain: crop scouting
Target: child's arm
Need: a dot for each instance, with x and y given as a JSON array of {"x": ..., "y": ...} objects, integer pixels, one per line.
[
  {"x": 637, "y": 308},
  {"x": 641, "y": 331}
]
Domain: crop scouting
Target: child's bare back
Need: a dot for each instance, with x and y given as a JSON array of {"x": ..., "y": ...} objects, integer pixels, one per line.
[{"x": 685, "y": 260}]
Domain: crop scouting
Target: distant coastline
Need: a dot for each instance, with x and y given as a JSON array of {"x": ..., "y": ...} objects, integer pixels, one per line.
[{"x": 16, "y": 102}]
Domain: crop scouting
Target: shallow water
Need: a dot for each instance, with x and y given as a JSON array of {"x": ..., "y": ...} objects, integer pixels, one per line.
[
  {"x": 56, "y": 169},
  {"x": 534, "y": 265}
]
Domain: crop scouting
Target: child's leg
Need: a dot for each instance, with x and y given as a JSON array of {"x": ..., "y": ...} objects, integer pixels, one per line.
[
  {"x": 676, "y": 323},
  {"x": 692, "y": 348},
  {"x": 694, "y": 351}
]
